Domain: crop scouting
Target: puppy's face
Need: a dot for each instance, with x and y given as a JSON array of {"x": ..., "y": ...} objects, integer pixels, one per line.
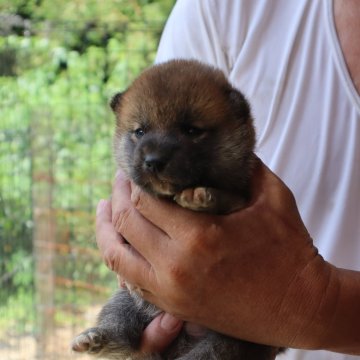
[{"x": 181, "y": 125}]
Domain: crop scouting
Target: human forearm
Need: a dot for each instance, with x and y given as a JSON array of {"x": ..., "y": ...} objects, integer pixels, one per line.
[
  {"x": 341, "y": 306},
  {"x": 321, "y": 310}
]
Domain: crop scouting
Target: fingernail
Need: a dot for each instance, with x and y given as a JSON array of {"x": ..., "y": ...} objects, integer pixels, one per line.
[
  {"x": 101, "y": 206},
  {"x": 169, "y": 322}
]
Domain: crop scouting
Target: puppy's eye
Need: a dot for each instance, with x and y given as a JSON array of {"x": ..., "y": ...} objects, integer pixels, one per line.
[
  {"x": 139, "y": 132},
  {"x": 193, "y": 131}
]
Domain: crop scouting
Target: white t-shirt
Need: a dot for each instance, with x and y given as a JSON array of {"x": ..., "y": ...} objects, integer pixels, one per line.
[{"x": 285, "y": 57}]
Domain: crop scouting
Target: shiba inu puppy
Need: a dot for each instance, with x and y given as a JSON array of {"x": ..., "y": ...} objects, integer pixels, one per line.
[{"x": 182, "y": 133}]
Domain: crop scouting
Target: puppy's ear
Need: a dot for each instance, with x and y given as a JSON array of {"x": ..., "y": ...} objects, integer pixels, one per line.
[
  {"x": 116, "y": 101},
  {"x": 240, "y": 105}
]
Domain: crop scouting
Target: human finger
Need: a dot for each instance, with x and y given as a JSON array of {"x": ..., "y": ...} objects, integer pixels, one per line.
[
  {"x": 127, "y": 221},
  {"x": 120, "y": 194},
  {"x": 160, "y": 333},
  {"x": 266, "y": 185},
  {"x": 119, "y": 256},
  {"x": 106, "y": 236},
  {"x": 166, "y": 215},
  {"x": 173, "y": 219}
]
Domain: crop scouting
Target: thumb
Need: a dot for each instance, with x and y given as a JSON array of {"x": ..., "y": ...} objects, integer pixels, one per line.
[{"x": 160, "y": 333}]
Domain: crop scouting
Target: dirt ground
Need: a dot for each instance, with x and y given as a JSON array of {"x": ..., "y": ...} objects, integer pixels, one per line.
[{"x": 24, "y": 347}]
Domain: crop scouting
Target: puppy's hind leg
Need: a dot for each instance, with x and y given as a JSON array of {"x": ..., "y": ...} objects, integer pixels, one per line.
[
  {"x": 220, "y": 347},
  {"x": 119, "y": 329},
  {"x": 92, "y": 341}
]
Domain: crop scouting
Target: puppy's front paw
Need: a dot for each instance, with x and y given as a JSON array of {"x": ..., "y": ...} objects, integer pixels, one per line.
[
  {"x": 198, "y": 199},
  {"x": 91, "y": 341}
]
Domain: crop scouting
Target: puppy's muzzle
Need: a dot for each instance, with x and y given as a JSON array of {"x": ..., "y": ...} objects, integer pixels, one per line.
[
  {"x": 157, "y": 151},
  {"x": 154, "y": 162}
]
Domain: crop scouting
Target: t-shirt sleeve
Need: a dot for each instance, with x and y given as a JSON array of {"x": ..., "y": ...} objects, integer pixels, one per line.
[{"x": 191, "y": 33}]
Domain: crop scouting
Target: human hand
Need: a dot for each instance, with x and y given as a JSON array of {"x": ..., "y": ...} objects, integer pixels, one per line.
[
  {"x": 159, "y": 334},
  {"x": 253, "y": 274}
]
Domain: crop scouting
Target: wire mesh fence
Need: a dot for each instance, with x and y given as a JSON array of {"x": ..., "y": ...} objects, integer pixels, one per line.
[{"x": 55, "y": 164}]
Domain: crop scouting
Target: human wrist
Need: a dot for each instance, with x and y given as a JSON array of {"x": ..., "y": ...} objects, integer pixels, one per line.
[
  {"x": 307, "y": 304},
  {"x": 342, "y": 333},
  {"x": 325, "y": 307}
]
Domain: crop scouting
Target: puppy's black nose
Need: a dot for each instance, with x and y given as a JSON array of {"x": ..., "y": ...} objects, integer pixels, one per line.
[{"x": 154, "y": 162}]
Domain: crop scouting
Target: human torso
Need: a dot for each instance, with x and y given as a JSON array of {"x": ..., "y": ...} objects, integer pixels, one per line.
[{"x": 287, "y": 59}]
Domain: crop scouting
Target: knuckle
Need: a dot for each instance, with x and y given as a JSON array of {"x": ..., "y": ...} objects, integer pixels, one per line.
[
  {"x": 179, "y": 279},
  {"x": 120, "y": 219},
  {"x": 136, "y": 196},
  {"x": 197, "y": 233},
  {"x": 177, "y": 274},
  {"x": 195, "y": 237},
  {"x": 146, "y": 275},
  {"x": 202, "y": 239},
  {"x": 112, "y": 259}
]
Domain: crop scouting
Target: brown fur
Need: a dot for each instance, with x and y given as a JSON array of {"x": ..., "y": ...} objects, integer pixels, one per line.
[
  {"x": 182, "y": 132},
  {"x": 170, "y": 99}
]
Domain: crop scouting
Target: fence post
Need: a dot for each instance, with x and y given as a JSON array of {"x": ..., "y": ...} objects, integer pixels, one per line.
[{"x": 44, "y": 228}]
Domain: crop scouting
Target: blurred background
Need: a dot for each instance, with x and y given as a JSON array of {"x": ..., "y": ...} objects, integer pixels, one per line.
[{"x": 60, "y": 63}]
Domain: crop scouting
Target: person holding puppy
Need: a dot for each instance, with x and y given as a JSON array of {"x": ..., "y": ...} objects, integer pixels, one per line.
[{"x": 256, "y": 274}]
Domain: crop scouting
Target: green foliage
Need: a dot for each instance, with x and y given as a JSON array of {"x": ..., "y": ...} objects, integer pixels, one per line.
[
  {"x": 18, "y": 316},
  {"x": 16, "y": 305},
  {"x": 89, "y": 10},
  {"x": 60, "y": 63},
  {"x": 83, "y": 23}
]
